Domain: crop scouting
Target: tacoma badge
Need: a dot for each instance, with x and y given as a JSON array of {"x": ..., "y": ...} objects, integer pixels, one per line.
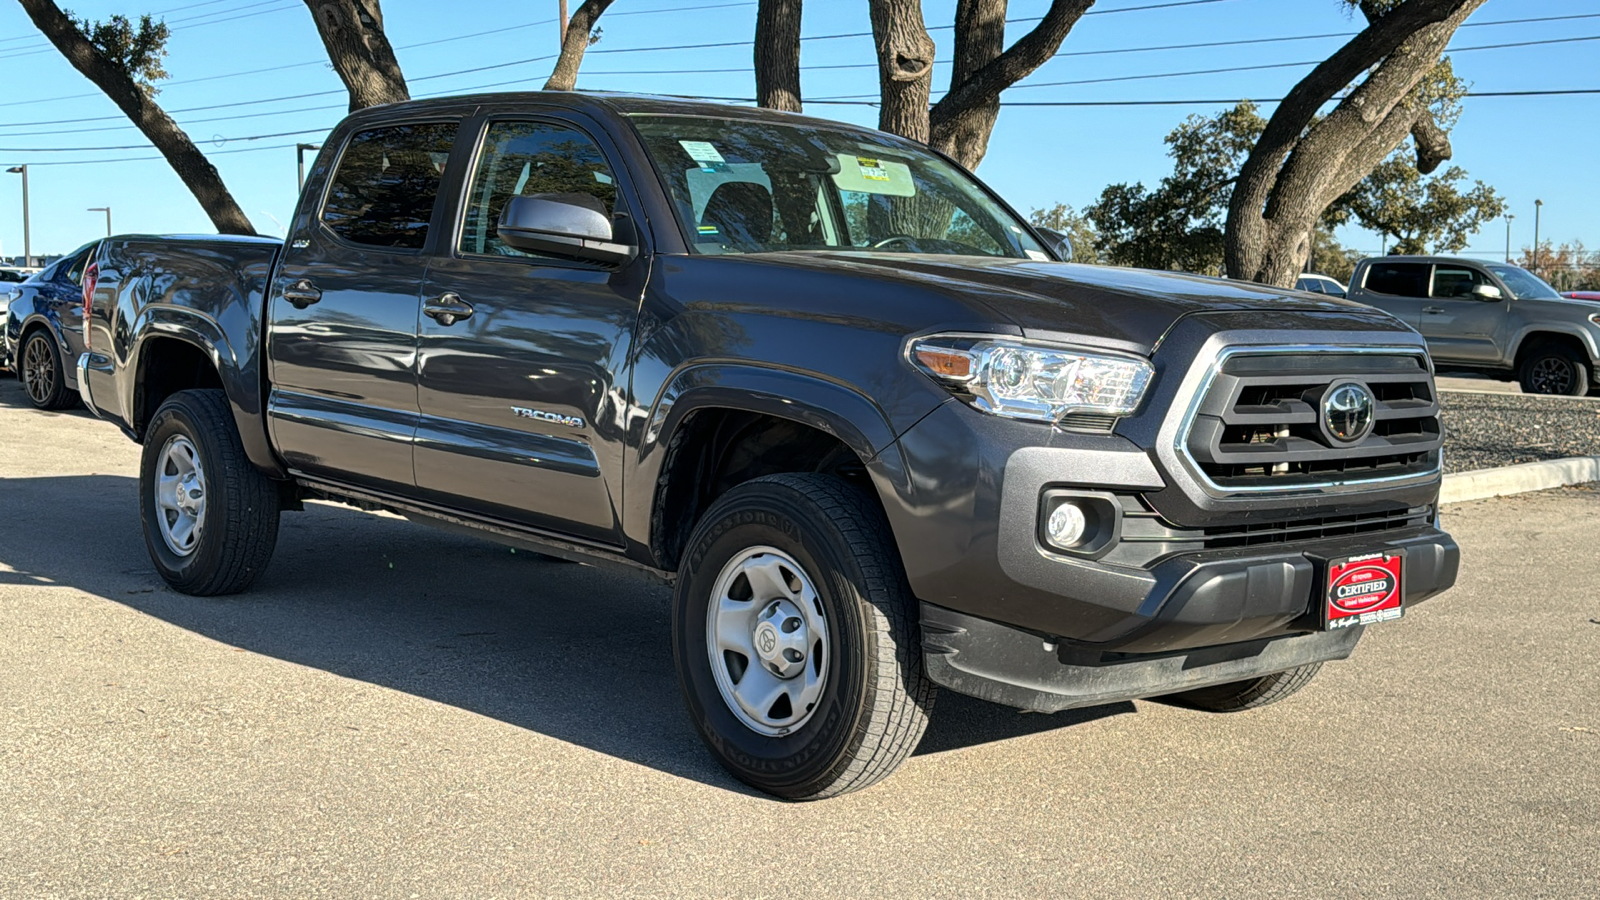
[{"x": 541, "y": 415}]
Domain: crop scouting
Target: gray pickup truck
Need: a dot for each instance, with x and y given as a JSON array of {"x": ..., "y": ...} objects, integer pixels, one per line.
[
  {"x": 818, "y": 378},
  {"x": 1489, "y": 317}
]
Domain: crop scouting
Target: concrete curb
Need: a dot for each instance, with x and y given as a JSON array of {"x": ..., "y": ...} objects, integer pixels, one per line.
[{"x": 1520, "y": 479}]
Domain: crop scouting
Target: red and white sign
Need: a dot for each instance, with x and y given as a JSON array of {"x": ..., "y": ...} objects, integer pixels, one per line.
[{"x": 1363, "y": 590}]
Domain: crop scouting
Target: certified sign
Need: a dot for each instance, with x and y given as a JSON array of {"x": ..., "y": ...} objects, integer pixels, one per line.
[{"x": 1363, "y": 590}]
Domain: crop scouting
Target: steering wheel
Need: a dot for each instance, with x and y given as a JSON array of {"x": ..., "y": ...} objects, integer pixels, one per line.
[{"x": 906, "y": 239}]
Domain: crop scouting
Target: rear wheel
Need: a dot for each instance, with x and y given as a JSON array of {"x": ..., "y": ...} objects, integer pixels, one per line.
[
  {"x": 1238, "y": 696},
  {"x": 210, "y": 517},
  {"x": 40, "y": 370},
  {"x": 795, "y": 639},
  {"x": 1554, "y": 369}
]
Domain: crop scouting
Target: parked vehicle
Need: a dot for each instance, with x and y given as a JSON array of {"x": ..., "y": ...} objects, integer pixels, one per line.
[
  {"x": 44, "y": 331},
  {"x": 1582, "y": 295},
  {"x": 817, "y": 377},
  {"x": 1319, "y": 284},
  {"x": 1490, "y": 317},
  {"x": 10, "y": 276}
]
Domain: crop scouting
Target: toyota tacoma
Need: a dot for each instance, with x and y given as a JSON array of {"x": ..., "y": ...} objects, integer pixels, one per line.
[{"x": 818, "y": 378}]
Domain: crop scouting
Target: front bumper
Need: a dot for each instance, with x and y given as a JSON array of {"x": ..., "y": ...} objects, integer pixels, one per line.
[{"x": 1015, "y": 668}]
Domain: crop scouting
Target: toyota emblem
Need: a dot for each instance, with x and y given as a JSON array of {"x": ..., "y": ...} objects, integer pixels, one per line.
[{"x": 1347, "y": 412}]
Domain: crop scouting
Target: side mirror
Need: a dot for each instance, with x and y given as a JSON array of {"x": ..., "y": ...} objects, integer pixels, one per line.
[
  {"x": 568, "y": 226},
  {"x": 1056, "y": 241},
  {"x": 1486, "y": 292}
]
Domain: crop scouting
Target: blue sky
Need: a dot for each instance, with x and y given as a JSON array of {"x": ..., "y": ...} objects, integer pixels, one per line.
[{"x": 1526, "y": 147}]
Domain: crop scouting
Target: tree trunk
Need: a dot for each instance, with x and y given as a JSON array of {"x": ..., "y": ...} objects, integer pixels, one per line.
[
  {"x": 777, "y": 61},
  {"x": 961, "y": 122},
  {"x": 905, "y": 67},
  {"x": 352, "y": 33},
  {"x": 191, "y": 165},
  {"x": 565, "y": 75},
  {"x": 1293, "y": 174}
]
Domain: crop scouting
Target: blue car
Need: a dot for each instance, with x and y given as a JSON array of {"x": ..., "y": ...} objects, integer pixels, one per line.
[{"x": 44, "y": 330}]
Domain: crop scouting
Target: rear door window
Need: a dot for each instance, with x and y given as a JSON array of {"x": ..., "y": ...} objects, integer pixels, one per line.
[
  {"x": 1398, "y": 279},
  {"x": 383, "y": 193}
]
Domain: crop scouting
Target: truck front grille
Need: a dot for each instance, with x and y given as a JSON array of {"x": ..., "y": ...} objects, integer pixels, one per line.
[
  {"x": 1147, "y": 536},
  {"x": 1259, "y": 426}
]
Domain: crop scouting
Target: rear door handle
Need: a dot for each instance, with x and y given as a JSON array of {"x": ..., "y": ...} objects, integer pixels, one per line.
[
  {"x": 447, "y": 309},
  {"x": 301, "y": 293},
  {"x": 1434, "y": 310}
]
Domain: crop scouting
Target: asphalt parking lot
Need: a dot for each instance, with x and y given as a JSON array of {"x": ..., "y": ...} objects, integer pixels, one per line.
[{"x": 397, "y": 712}]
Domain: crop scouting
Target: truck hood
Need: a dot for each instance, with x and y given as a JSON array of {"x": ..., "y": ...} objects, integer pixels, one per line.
[{"x": 1055, "y": 301}]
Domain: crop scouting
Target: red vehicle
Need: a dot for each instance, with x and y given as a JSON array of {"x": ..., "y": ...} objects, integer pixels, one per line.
[{"x": 1582, "y": 295}]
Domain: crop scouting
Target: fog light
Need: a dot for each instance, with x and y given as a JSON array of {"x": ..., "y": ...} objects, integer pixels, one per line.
[{"x": 1066, "y": 525}]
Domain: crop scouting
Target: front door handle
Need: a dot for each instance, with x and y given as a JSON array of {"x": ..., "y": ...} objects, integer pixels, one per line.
[
  {"x": 1433, "y": 310},
  {"x": 301, "y": 293},
  {"x": 447, "y": 309}
]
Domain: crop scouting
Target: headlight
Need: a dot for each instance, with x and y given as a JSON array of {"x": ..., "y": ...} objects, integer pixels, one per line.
[{"x": 1032, "y": 381}]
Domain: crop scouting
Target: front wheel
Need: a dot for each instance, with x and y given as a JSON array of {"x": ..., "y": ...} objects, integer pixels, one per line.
[
  {"x": 1555, "y": 369},
  {"x": 210, "y": 517},
  {"x": 795, "y": 639},
  {"x": 1253, "y": 693}
]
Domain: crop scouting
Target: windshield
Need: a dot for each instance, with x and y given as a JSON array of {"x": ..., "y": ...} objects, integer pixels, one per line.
[
  {"x": 743, "y": 186},
  {"x": 1524, "y": 285}
]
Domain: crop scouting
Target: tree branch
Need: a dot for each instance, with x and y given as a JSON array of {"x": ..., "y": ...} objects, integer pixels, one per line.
[
  {"x": 352, "y": 33},
  {"x": 579, "y": 28},
  {"x": 118, "y": 84},
  {"x": 1033, "y": 50}
]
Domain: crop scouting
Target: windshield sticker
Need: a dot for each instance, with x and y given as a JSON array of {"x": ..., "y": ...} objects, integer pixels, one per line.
[
  {"x": 870, "y": 170},
  {"x": 874, "y": 175},
  {"x": 703, "y": 153},
  {"x": 1037, "y": 255},
  {"x": 708, "y": 229}
]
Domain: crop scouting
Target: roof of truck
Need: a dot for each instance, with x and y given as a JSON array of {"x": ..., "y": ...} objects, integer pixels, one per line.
[
  {"x": 617, "y": 103},
  {"x": 1398, "y": 257}
]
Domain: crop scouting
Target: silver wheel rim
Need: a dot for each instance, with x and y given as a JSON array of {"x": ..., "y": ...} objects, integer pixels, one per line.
[
  {"x": 180, "y": 495},
  {"x": 767, "y": 637}
]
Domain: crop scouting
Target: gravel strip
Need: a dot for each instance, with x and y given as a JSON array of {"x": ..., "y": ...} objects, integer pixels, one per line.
[{"x": 1484, "y": 431}]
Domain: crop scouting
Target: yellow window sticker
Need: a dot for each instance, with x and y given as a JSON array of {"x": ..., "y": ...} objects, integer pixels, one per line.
[{"x": 871, "y": 170}]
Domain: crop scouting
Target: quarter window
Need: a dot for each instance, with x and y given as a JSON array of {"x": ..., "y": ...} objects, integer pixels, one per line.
[
  {"x": 388, "y": 179},
  {"x": 1398, "y": 279},
  {"x": 526, "y": 159}
]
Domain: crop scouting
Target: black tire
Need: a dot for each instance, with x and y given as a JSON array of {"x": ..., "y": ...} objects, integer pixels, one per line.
[
  {"x": 1554, "y": 369},
  {"x": 240, "y": 523},
  {"x": 1238, "y": 696},
  {"x": 875, "y": 698},
  {"x": 39, "y": 369}
]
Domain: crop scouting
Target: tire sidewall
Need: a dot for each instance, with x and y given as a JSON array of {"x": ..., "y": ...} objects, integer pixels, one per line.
[
  {"x": 778, "y": 518},
  {"x": 175, "y": 418}
]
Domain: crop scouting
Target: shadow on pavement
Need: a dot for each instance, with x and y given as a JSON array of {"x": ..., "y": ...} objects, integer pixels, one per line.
[
  {"x": 567, "y": 651},
  {"x": 12, "y": 396}
]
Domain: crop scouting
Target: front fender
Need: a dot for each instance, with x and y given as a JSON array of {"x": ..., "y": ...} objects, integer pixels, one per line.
[
  {"x": 809, "y": 399},
  {"x": 238, "y": 374}
]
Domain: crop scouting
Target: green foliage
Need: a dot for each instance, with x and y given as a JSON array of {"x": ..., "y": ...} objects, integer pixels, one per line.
[
  {"x": 1424, "y": 214},
  {"x": 1078, "y": 229},
  {"x": 1179, "y": 224},
  {"x": 1330, "y": 258},
  {"x": 136, "y": 51}
]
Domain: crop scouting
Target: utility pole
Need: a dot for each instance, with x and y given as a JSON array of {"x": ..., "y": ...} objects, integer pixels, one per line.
[
  {"x": 300, "y": 157},
  {"x": 563, "y": 23},
  {"x": 1509, "y": 217},
  {"x": 1537, "y": 205},
  {"x": 27, "y": 239},
  {"x": 107, "y": 211}
]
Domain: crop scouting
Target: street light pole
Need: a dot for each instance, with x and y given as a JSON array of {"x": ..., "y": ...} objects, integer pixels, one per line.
[
  {"x": 27, "y": 238},
  {"x": 1509, "y": 217},
  {"x": 107, "y": 211},
  {"x": 300, "y": 157},
  {"x": 1537, "y": 205}
]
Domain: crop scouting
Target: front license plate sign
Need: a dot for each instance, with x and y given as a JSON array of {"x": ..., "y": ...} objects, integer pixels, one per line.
[{"x": 1363, "y": 590}]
